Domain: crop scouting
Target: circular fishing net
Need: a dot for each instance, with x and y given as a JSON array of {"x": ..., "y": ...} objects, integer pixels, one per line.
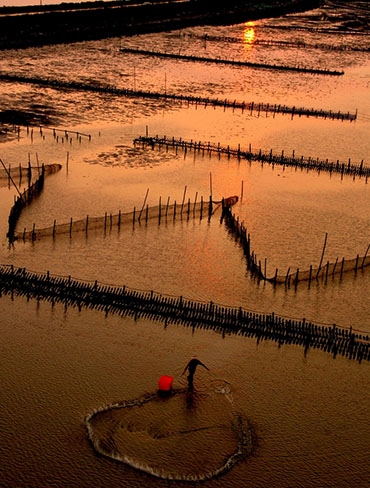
[{"x": 182, "y": 436}]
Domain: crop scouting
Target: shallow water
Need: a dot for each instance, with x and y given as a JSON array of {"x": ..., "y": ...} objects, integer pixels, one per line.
[{"x": 309, "y": 413}]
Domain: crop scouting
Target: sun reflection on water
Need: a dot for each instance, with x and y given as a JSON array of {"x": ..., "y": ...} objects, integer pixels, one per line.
[{"x": 249, "y": 34}]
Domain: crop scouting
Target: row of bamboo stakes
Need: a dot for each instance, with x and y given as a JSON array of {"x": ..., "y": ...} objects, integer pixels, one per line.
[
  {"x": 268, "y": 157},
  {"x": 179, "y": 310},
  {"x": 252, "y": 107},
  {"x": 233, "y": 62},
  {"x": 298, "y": 44}
]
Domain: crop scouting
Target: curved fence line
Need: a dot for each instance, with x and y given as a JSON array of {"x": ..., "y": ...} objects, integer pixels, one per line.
[
  {"x": 190, "y": 100},
  {"x": 248, "y": 64},
  {"x": 307, "y": 163},
  {"x": 190, "y": 313},
  {"x": 258, "y": 268},
  {"x": 28, "y": 195}
]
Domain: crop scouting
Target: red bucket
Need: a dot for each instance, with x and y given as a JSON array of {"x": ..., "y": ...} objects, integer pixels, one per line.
[{"x": 165, "y": 383}]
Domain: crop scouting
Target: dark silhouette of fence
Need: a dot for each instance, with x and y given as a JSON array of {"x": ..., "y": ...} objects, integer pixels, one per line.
[
  {"x": 314, "y": 273},
  {"x": 248, "y": 64},
  {"x": 275, "y": 42},
  {"x": 252, "y": 107},
  {"x": 306, "y": 163},
  {"x": 178, "y": 310},
  {"x": 27, "y": 196},
  {"x": 159, "y": 213}
]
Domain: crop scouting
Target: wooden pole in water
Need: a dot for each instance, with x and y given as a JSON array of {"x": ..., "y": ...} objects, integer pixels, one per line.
[
  {"x": 183, "y": 200},
  {"x": 363, "y": 261},
  {"x": 341, "y": 268},
  {"x": 11, "y": 179},
  {"x": 210, "y": 184},
  {"x": 322, "y": 255},
  {"x": 168, "y": 202},
  {"x": 142, "y": 208}
]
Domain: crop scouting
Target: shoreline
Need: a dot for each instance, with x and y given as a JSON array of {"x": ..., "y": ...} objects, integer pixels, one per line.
[{"x": 22, "y": 28}]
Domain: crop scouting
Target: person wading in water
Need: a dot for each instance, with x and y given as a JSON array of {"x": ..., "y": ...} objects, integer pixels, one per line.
[{"x": 191, "y": 367}]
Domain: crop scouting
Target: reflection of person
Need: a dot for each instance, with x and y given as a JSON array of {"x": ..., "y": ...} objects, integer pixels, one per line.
[{"x": 191, "y": 367}]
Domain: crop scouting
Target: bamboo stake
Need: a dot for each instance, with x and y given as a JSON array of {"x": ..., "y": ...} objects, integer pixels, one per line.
[{"x": 322, "y": 255}]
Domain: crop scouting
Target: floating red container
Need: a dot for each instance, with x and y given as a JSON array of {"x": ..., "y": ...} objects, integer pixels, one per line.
[{"x": 165, "y": 383}]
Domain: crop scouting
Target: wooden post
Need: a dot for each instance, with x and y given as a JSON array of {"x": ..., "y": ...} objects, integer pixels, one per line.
[
  {"x": 183, "y": 200},
  {"x": 287, "y": 276},
  {"x": 335, "y": 265},
  {"x": 341, "y": 269},
  {"x": 142, "y": 208},
  {"x": 364, "y": 258},
  {"x": 168, "y": 202},
  {"x": 195, "y": 203},
  {"x": 322, "y": 255}
]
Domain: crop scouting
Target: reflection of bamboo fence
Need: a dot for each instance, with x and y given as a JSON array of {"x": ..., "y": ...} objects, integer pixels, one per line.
[
  {"x": 303, "y": 163},
  {"x": 227, "y": 320},
  {"x": 258, "y": 268},
  {"x": 175, "y": 211}
]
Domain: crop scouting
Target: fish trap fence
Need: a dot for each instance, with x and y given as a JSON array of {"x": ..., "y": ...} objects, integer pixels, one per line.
[
  {"x": 232, "y": 62},
  {"x": 252, "y": 107},
  {"x": 27, "y": 196},
  {"x": 21, "y": 171},
  {"x": 264, "y": 157},
  {"x": 179, "y": 310},
  {"x": 300, "y": 44},
  {"x": 159, "y": 213},
  {"x": 291, "y": 277}
]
